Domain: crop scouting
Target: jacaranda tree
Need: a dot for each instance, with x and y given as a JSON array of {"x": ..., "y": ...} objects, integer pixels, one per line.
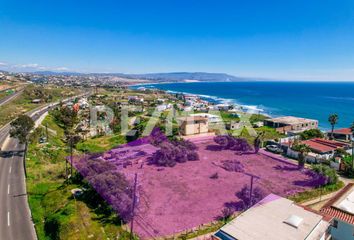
[
  {"x": 112, "y": 185},
  {"x": 171, "y": 153},
  {"x": 228, "y": 142},
  {"x": 248, "y": 199}
]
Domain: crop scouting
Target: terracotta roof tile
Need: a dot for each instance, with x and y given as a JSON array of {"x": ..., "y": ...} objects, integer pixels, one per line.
[
  {"x": 323, "y": 145},
  {"x": 343, "y": 131},
  {"x": 330, "y": 210}
]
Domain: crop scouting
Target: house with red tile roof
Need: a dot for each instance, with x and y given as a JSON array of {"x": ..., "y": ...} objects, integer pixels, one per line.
[
  {"x": 324, "y": 146},
  {"x": 341, "y": 209},
  {"x": 321, "y": 149},
  {"x": 342, "y": 134}
]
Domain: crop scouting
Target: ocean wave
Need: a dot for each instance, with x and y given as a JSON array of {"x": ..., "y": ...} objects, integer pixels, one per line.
[
  {"x": 340, "y": 98},
  {"x": 252, "y": 109}
]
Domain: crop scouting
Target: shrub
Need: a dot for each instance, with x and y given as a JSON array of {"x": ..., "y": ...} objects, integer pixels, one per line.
[
  {"x": 232, "y": 166},
  {"x": 157, "y": 137},
  {"x": 244, "y": 196},
  {"x": 214, "y": 176},
  {"x": 113, "y": 186},
  {"x": 230, "y": 143},
  {"x": 52, "y": 227},
  {"x": 311, "y": 133},
  {"x": 226, "y": 213},
  {"x": 326, "y": 171},
  {"x": 348, "y": 166},
  {"x": 174, "y": 152},
  {"x": 193, "y": 156}
]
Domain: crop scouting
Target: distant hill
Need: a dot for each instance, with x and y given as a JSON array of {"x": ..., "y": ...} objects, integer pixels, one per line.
[
  {"x": 158, "y": 77},
  {"x": 50, "y": 73},
  {"x": 182, "y": 76}
]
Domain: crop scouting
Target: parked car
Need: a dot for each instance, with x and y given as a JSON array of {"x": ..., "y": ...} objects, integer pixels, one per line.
[{"x": 274, "y": 149}]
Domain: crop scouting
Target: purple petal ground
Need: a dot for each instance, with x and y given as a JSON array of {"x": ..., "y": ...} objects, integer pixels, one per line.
[{"x": 174, "y": 199}]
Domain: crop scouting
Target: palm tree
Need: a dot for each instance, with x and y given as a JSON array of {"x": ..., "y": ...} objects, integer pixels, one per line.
[
  {"x": 333, "y": 119},
  {"x": 258, "y": 141},
  {"x": 303, "y": 149}
]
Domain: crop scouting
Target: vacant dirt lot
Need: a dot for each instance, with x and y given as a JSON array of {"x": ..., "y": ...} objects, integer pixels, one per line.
[{"x": 172, "y": 200}]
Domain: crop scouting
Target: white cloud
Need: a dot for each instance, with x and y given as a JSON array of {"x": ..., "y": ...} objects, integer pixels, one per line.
[
  {"x": 31, "y": 67},
  {"x": 61, "y": 69}
]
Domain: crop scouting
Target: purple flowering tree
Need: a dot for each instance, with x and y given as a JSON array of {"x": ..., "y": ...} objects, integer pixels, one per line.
[
  {"x": 232, "y": 166},
  {"x": 231, "y": 143},
  {"x": 112, "y": 185},
  {"x": 249, "y": 200},
  {"x": 171, "y": 153}
]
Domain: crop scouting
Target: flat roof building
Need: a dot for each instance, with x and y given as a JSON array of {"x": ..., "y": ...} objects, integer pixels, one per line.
[
  {"x": 275, "y": 218},
  {"x": 192, "y": 125},
  {"x": 290, "y": 124}
]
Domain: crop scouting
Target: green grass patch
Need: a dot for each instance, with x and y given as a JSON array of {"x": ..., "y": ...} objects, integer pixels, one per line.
[
  {"x": 56, "y": 213},
  {"x": 269, "y": 133},
  {"x": 100, "y": 144},
  {"x": 317, "y": 192},
  {"x": 228, "y": 117},
  {"x": 23, "y": 103}
]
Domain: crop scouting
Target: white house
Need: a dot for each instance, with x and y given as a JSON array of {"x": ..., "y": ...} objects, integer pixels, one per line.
[
  {"x": 275, "y": 218},
  {"x": 163, "y": 107},
  {"x": 322, "y": 149},
  {"x": 212, "y": 119}
]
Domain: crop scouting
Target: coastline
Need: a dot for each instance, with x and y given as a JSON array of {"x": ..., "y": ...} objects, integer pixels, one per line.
[
  {"x": 253, "y": 109},
  {"x": 272, "y": 99}
]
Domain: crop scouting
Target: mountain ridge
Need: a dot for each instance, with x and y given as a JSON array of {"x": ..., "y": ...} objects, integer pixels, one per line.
[{"x": 168, "y": 76}]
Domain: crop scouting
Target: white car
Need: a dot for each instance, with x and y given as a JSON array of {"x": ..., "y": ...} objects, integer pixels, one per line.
[{"x": 274, "y": 149}]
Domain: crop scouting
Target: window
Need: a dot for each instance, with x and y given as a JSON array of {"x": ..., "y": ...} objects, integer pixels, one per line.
[{"x": 335, "y": 224}]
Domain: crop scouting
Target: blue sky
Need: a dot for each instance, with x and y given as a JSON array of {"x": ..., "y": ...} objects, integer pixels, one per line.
[{"x": 295, "y": 40}]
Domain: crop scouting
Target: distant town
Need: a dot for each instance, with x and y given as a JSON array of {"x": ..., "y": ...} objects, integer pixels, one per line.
[{"x": 102, "y": 160}]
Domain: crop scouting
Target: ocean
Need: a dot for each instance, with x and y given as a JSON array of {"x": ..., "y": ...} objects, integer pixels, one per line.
[{"x": 315, "y": 100}]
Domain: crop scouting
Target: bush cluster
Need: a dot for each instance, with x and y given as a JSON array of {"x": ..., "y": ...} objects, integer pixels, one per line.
[
  {"x": 231, "y": 143},
  {"x": 327, "y": 172},
  {"x": 112, "y": 185},
  {"x": 173, "y": 152},
  {"x": 232, "y": 166}
]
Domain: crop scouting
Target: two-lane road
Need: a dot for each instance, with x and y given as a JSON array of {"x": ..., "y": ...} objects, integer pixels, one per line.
[
  {"x": 15, "y": 216},
  {"x": 9, "y": 98}
]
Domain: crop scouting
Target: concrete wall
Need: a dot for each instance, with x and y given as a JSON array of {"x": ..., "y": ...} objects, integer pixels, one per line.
[{"x": 196, "y": 128}]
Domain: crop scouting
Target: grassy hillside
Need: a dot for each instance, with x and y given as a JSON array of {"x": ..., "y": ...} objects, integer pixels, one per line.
[
  {"x": 56, "y": 213},
  {"x": 23, "y": 103}
]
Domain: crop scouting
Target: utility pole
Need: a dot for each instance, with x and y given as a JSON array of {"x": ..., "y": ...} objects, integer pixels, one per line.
[
  {"x": 251, "y": 191},
  {"x": 71, "y": 155},
  {"x": 133, "y": 206},
  {"x": 251, "y": 188},
  {"x": 66, "y": 169},
  {"x": 46, "y": 130}
]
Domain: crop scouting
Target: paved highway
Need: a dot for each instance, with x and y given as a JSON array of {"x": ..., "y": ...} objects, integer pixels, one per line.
[
  {"x": 11, "y": 97},
  {"x": 15, "y": 216}
]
